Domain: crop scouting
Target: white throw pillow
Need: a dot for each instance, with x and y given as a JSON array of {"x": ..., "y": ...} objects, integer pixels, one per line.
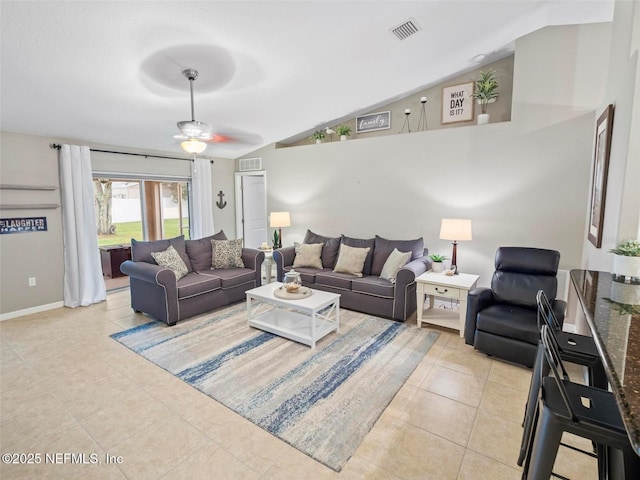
[
  {"x": 171, "y": 260},
  {"x": 351, "y": 260},
  {"x": 394, "y": 263},
  {"x": 308, "y": 255}
]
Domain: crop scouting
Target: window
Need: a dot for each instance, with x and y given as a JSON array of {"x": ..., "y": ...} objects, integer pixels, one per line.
[{"x": 144, "y": 209}]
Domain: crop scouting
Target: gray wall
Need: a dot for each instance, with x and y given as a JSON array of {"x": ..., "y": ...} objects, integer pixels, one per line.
[
  {"x": 26, "y": 159},
  {"x": 523, "y": 182}
]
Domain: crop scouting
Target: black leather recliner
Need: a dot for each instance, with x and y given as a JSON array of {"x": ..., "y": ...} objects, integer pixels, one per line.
[{"x": 502, "y": 320}]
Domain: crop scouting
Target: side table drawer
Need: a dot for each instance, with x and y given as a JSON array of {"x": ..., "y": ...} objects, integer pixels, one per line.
[{"x": 442, "y": 291}]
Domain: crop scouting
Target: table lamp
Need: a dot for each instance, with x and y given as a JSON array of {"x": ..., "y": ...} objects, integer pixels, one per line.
[
  {"x": 456, "y": 229},
  {"x": 279, "y": 220}
]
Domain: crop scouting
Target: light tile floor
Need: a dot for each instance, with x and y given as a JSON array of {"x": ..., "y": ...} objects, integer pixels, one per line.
[{"x": 66, "y": 387}]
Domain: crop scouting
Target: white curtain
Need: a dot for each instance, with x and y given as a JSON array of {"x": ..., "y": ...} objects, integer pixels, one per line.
[
  {"x": 83, "y": 283},
  {"x": 202, "y": 194}
]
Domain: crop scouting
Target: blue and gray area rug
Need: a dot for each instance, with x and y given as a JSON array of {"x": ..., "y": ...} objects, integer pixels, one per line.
[{"x": 323, "y": 402}]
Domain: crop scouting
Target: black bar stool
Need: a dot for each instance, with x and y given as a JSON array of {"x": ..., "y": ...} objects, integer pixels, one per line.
[
  {"x": 574, "y": 348},
  {"x": 585, "y": 411}
]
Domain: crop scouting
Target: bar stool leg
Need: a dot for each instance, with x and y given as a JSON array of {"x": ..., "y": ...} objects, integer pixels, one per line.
[{"x": 546, "y": 442}]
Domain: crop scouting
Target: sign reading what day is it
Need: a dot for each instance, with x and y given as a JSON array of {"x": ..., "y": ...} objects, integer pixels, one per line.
[
  {"x": 373, "y": 121},
  {"x": 23, "y": 225},
  {"x": 457, "y": 103}
]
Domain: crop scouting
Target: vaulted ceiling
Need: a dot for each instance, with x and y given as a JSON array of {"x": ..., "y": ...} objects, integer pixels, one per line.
[{"x": 109, "y": 72}]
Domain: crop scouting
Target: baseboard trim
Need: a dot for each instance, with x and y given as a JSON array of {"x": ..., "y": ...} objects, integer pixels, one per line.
[{"x": 30, "y": 311}]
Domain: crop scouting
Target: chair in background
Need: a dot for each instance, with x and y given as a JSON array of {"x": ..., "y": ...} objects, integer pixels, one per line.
[
  {"x": 585, "y": 411},
  {"x": 502, "y": 320},
  {"x": 573, "y": 348}
]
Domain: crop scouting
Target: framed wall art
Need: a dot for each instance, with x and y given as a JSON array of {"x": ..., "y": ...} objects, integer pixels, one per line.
[
  {"x": 373, "y": 121},
  {"x": 457, "y": 103},
  {"x": 600, "y": 172}
]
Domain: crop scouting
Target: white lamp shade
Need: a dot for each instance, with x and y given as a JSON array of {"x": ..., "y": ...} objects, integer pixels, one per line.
[
  {"x": 280, "y": 219},
  {"x": 193, "y": 146},
  {"x": 455, "y": 229}
]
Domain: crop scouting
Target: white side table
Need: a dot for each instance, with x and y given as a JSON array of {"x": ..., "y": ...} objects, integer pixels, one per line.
[
  {"x": 268, "y": 265},
  {"x": 455, "y": 287}
]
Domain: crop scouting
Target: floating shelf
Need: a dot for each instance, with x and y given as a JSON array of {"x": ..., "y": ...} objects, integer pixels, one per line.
[
  {"x": 4, "y": 186},
  {"x": 32, "y": 206}
]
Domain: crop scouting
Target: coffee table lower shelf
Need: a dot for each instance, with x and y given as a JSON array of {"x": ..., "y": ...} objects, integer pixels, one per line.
[{"x": 293, "y": 325}]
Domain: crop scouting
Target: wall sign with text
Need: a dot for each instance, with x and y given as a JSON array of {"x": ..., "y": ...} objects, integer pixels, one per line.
[
  {"x": 457, "y": 103},
  {"x": 23, "y": 225},
  {"x": 373, "y": 121}
]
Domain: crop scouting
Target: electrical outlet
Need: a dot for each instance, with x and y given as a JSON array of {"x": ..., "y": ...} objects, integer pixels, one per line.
[{"x": 32, "y": 281}]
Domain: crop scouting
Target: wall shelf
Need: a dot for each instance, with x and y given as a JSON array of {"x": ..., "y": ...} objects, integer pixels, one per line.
[
  {"x": 32, "y": 206},
  {"x": 4, "y": 186}
]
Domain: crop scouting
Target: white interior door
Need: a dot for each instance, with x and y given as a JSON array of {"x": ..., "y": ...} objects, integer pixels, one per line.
[{"x": 251, "y": 208}]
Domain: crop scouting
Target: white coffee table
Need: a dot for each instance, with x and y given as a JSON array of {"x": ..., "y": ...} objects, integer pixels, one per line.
[
  {"x": 306, "y": 320},
  {"x": 455, "y": 287}
]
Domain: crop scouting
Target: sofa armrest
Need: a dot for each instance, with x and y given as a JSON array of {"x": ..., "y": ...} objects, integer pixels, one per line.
[
  {"x": 148, "y": 272},
  {"x": 252, "y": 258},
  {"x": 477, "y": 299},
  {"x": 413, "y": 269},
  {"x": 283, "y": 257}
]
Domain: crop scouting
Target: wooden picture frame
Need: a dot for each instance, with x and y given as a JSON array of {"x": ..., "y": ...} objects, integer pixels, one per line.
[
  {"x": 601, "y": 155},
  {"x": 457, "y": 103}
]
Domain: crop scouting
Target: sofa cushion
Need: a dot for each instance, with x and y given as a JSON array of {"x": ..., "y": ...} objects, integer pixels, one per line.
[
  {"x": 509, "y": 321},
  {"x": 394, "y": 262},
  {"x": 329, "y": 249},
  {"x": 199, "y": 251},
  {"x": 226, "y": 254},
  {"x": 371, "y": 285},
  {"x": 171, "y": 260},
  {"x": 362, "y": 243},
  {"x": 141, "y": 251},
  {"x": 383, "y": 248},
  {"x": 307, "y": 274},
  {"x": 351, "y": 260},
  {"x": 232, "y": 277},
  {"x": 196, "y": 284},
  {"x": 335, "y": 280},
  {"x": 308, "y": 255}
]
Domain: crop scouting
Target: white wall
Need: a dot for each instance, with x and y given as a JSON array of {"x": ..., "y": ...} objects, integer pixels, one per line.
[{"x": 523, "y": 182}]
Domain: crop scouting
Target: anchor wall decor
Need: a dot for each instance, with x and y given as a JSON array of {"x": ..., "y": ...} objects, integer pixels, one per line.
[{"x": 221, "y": 203}]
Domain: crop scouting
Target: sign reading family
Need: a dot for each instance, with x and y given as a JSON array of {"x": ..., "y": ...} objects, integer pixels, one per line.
[
  {"x": 457, "y": 103},
  {"x": 22, "y": 225},
  {"x": 373, "y": 121}
]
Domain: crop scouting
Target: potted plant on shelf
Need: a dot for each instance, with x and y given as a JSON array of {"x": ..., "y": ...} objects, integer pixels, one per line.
[
  {"x": 344, "y": 131},
  {"x": 486, "y": 91},
  {"x": 318, "y": 136},
  {"x": 437, "y": 262},
  {"x": 626, "y": 261}
]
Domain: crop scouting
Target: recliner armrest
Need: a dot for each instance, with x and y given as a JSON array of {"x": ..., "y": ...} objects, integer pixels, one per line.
[{"x": 477, "y": 299}]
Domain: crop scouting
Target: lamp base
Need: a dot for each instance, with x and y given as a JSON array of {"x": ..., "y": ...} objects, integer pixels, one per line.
[{"x": 454, "y": 258}]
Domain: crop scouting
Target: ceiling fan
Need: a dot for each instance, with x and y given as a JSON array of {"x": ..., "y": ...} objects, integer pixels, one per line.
[{"x": 192, "y": 132}]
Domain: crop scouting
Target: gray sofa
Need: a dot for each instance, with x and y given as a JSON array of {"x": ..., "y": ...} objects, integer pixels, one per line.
[
  {"x": 369, "y": 293},
  {"x": 155, "y": 290}
]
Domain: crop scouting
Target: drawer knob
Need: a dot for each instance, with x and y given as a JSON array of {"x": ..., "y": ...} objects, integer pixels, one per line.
[{"x": 442, "y": 291}]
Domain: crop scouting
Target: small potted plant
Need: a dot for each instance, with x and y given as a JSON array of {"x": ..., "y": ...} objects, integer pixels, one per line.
[
  {"x": 626, "y": 261},
  {"x": 437, "y": 259},
  {"x": 276, "y": 240},
  {"x": 486, "y": 91},
  {"x": 344, "y": 131},
  {"x": 318, "y": 136}
]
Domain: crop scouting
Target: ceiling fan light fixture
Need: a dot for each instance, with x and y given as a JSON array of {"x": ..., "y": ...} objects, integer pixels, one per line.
[
  {"x": 193, "y": 128},
  {"x": 193, "y": 146}
]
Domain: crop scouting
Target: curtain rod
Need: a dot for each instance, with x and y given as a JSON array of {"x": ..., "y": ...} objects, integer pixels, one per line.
[{"x": 146, "y": 155}]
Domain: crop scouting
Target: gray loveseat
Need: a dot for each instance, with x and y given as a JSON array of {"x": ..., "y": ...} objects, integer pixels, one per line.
[
  {"x": 155, "y": 290},
  {"x": 369, "y": 293}
]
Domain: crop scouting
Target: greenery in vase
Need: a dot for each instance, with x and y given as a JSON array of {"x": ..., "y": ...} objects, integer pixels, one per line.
[
  {"x": 623, "y": 308},
  {"x": 630, "y": 248},
  {"x": 436, "y": 257},
  {"x": 276, "y": 239},
  {"x": 343, "y": 130},
  {"x": 317, "y": 135},
  {"x": 486, "y": 88}
]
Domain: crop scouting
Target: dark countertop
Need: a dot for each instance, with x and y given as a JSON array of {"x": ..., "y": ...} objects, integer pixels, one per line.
[{"x": 612, "y": 310}]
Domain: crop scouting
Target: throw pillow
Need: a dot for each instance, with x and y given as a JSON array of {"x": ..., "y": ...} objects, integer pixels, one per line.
[
  {"x": 199, "y": 251},
  {"x": 351, "y": 260},
  {"x": 171, "y": 260},
  {"x": 141, "y": 250},
  {"x": 308, "y": 255},
  {"x": 394, "y": 263},
  {"x": 329, "y": 250},
  {"x": 226, "y": 254},
  {"x": 361, "y": 243}
]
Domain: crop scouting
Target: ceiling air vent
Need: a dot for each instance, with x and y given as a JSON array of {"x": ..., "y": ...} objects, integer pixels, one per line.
[
  {"x": 248, "y": 164},
  {"x": 406, "y": 29}
]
